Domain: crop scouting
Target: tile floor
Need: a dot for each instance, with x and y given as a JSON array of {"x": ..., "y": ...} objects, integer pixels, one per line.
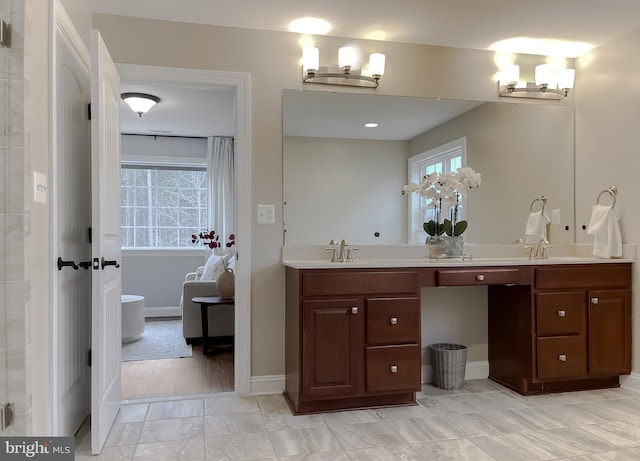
[{"x": 483, "y": 421}]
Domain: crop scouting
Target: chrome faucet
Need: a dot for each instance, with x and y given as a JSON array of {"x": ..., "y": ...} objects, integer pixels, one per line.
[
  {"x": 540, "y": 250},
  {"x": 342, "y": 253}
]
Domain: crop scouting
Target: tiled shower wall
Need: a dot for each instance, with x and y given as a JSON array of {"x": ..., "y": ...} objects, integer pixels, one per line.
[{"x": 15, "y": 173}]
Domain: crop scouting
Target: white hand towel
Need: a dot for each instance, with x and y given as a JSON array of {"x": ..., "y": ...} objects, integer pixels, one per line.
[
  {"x": 604, "y": 226},
  {"x": 536, "y": 227}
]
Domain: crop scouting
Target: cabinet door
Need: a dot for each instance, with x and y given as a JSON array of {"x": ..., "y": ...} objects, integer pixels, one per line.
[
  {"x": 332, "y": 347},
  {"x": 609, "y": 332}
]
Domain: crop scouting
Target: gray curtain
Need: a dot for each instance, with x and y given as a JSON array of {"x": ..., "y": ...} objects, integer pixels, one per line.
[{"x": 220, "y": 185}]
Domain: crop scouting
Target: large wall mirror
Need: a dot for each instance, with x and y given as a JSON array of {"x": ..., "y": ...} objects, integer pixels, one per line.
[{"x": 342, "y": 180}]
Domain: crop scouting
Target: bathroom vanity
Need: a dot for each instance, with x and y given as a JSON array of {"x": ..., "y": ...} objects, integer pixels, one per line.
[{"x": 353, "y": 329}]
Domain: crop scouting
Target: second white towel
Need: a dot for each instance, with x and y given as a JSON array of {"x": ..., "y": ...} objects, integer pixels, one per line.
[
  {"x": 536, "y": 227},
  {"x": 604, "y": 226}
]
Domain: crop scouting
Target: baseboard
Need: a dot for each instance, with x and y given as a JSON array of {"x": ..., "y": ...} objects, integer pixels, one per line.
[
  {"x": 267, "y": 385},
  {"x": 169, "y": 311},
  {"x": 473, "y": 370},
  {"x": 631, "y": 382}
]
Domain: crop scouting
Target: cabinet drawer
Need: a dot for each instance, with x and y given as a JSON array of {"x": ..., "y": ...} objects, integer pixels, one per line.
[
  {"x": 393, "y": 368},
  {"x": 588, "y": 276},
  {"x": 561, "y": 313},
  {"x": 345, "y": 282},
  {"x": 562, "y": 357},
  {"x": 393, "y": 320},
  {"x": 463, "y": 277}
]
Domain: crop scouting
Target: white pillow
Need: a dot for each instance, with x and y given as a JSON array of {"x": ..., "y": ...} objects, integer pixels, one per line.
[{"x": 214, "y": 267}]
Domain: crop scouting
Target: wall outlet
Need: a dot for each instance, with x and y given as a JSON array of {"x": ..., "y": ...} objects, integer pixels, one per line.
[
  {"x": 266, "y": 214},
  {"x": 555, "y": 216}
]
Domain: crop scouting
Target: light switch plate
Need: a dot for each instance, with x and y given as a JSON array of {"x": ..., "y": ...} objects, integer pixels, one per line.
[
  {"x": 555, "y": 216},
  {"x": 266, "y": 214}
]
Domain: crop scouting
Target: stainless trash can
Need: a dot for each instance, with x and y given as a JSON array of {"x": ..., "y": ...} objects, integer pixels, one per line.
[{"x": 448, "y": 362}]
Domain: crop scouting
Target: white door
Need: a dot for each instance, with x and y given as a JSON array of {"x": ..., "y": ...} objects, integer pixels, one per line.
[
  {"x": 106, "y": 330},
  {"x": 72, "y": 217}
]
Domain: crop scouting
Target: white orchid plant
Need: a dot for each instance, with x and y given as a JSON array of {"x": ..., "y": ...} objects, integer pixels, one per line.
[{"x": 445, "y": 192}]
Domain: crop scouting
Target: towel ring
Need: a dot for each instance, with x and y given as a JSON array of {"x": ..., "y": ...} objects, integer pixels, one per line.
[
  {"x": 612, "y": 191},
  {"x": 542, "y": 200}
]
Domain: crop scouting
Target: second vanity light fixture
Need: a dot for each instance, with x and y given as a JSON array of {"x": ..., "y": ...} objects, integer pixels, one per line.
[
  {"x": 344, "y": 74},
  {"x": 550, "y": 83}
]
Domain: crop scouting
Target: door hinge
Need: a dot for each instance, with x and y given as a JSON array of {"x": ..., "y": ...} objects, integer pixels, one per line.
[
  {"x": 89, "y": 357},
  {"x": 89, "y": 111},
  {"x": 5, "y": 34},
  {"x": 6, "y": 415}
]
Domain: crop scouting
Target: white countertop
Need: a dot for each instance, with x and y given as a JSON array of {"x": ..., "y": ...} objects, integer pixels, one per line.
[{"x": 381, "y": 256}]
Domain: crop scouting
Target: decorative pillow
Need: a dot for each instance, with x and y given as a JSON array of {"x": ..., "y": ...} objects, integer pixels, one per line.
[{"x": 215, "y": 266}]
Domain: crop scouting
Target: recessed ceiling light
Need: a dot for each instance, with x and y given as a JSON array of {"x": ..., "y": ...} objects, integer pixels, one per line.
[
  {"x": 371, "y": 124},
  {"x": 544, "y": 47},
  {"x": 309, "y": 25}
]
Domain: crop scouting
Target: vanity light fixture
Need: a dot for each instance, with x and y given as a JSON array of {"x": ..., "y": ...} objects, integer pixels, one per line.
[
  {"x": 140, "y": 103},
  {"x": 344, "y": 74},
  {"x": 549, "y": 84}
]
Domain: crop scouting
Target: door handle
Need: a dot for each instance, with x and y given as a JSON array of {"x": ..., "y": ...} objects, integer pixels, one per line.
[{"x": 105, "y": 263}]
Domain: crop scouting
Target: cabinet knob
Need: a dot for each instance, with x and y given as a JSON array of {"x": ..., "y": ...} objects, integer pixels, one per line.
[
  {"x": 394, "y": 320},
  {"x": 562, "y": 357},
  {"x": 595, "y": 300},
  {"x": 562, "y": 313},
  {"x": 480, "y": 277},
  {"x": 354, "y": 310},
  {"x": 394, "y": 368}
]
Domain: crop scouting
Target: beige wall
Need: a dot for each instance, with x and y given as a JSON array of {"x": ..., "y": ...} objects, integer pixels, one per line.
[
  {"x": 272, "y": 59},
  {"x": 607, "y": 151}
]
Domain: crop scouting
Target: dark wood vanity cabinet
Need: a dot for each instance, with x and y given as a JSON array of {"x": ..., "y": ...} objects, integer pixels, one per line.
[
  {"x": 352, "y": 338},
  {"x": 571, "y": 329},
  {"x": 353, "y": 335}
]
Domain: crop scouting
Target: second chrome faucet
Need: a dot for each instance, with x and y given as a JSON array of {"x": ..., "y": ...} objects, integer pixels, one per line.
[{"x": 342, "y": 253}]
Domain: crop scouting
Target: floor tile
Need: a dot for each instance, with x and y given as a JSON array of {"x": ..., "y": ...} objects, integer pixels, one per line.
[
  {"x": 482, "y": 422},
  {"x": 291, "y": 442}
]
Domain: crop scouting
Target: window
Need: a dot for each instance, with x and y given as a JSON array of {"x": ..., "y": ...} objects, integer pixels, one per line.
[
  {"x": 442, "y": 159},
  {"x": 162, "y": 206}
]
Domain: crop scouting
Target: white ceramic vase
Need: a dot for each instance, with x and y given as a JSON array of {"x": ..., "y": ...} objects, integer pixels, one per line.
[{"x": 225, "y": 283}]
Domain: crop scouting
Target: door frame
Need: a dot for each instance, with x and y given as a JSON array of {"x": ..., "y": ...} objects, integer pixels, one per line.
[{"x": 240, "y": 83}]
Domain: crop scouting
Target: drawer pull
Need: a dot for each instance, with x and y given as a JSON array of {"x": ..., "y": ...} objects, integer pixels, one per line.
[
  {"x": 480, "y": 277},
  {"x": 394, "y": 320},
  {"x": 354, "y": 310},
  {"x": 562, "y": 357},
  {"x": 595, "y": 300},
  {"x": 394, "y": 368},
  {"x": 562, "y": 313}
]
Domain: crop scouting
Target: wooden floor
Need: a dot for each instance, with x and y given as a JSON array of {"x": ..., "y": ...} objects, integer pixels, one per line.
[{"x": 195, "y": 375}]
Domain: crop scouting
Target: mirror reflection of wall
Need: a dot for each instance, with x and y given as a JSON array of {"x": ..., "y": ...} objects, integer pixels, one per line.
[{"x": 338, "y": 184}]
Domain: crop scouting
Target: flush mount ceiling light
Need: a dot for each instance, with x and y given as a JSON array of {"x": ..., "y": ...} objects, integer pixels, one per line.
[
  {"x": 140, "y": 103},
  {"x": 344, "y": 74},
  {"x": 550, "y": 83}
]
